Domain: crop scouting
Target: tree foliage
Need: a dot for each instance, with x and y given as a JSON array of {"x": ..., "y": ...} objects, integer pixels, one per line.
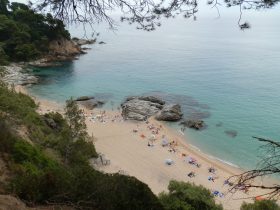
[
  {"x": 260, "y": 205},
  {"x": 76, "y": 119},
  {"x": 267, "y": 167},
  {"x": 187, "y": 196},
  {"x": 25, "y": 34},
  {"x": 147, "y": 14}
]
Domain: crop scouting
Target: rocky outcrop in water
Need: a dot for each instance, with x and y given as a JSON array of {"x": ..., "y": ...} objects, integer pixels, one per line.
[
  {"x": 81, "y": 42},
  {"x": 171, "y": 112},
  {"x": 195, "y": 124},
  {"x": 142, "y": 107},
  {"x": 231, "y": 133},
  {"x": 84, "y": 98}
]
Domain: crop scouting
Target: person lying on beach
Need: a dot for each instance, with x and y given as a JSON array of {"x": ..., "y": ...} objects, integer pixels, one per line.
[
  {"x": 152, "y": 138},
  {"x": 211, "y": 178},
  {"x": 216, "y": 193},
  {"x": 197, "y": 165},
  {"x": 212, "y": 170},
  {"x": 191, "y": 174},
  {"x": 150, "y": 144},
  {"x": 135, "y": 130},
  {"x": 142, "y": 136},
  {"x": 227, "y": 182},
  {"x": 172, "y": 150}
]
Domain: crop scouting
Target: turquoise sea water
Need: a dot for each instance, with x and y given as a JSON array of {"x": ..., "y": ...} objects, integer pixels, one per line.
[{"x": 209, "y": 66}]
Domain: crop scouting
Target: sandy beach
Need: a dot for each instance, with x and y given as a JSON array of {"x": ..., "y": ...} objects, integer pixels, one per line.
[{"x": 135, "y": 149}]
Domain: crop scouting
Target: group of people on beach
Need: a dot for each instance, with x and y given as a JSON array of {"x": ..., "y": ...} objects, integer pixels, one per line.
[
  {"x": 172, "y": 147},
  {"x": 102, "y": 117},
  {"x": 156, "y": 133}
]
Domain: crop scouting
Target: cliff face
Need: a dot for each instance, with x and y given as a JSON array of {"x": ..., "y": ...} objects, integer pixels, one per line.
[
  {"x": 62, "y": 50},
  {"x": 9, "y": 202},
  {"x": 59, "y": 50},
  {"x": 64, "y": 47}
]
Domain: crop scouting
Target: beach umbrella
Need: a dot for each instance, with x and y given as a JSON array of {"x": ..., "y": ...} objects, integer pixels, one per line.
[
  {"x": 169, "y": 162},
  {"x": 164, "y": 142}
]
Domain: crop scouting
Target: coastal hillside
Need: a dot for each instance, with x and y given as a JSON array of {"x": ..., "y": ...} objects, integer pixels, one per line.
[
  {"x": 44, "y": 160},
  {"x": 26, "y": 35}
]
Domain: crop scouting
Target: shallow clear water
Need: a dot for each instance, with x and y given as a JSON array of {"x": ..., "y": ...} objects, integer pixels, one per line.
[{"x": 208, "y": 62}]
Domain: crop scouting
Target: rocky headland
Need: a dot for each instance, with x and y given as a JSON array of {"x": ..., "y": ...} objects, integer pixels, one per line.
[
  {"x": 62, "y": 50},
  {"x": 59, "y": 50}
]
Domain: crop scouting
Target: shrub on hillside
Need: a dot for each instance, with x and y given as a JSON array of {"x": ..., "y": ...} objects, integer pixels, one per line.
[
  {"x": 188, "y": 196},
  {"x": 261, "y": 205}
]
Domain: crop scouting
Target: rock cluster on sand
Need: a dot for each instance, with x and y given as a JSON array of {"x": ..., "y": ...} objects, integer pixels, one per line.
[
  {"x": 16, "y": 75},
  {"x": 142, "y": 107},
  {"x": 195, "y": 124}
]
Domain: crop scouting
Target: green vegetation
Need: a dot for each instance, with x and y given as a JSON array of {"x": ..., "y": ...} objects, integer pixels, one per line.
[
  {"x": 187, "y": 196},
  {"x": 260, "y": 205},
  {"x": 24, "y": 34},
  {"x": 62, "y": 176}
]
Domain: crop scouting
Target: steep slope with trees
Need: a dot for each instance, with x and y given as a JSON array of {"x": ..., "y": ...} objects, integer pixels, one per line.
[{"x": 26, "y": 35}]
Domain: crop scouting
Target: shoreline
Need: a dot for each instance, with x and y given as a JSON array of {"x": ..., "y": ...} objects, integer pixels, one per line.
[{"x": 129, "y": 154}]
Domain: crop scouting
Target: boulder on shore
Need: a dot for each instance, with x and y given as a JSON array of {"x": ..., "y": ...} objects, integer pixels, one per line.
[
  {"x": 142, "y": 107},
  {"x": 135, "y": 108},
  {"x": 171, "y": 112},
  {"x": 195, "y": 124}
]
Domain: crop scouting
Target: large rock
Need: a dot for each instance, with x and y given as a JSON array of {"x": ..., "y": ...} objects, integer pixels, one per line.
[
  {"x": 231, "y": 133},
  {"x": 152, "y": 99},
  {"x": 171, "y": 112},
  {"x": 16, "y": 74},
  {"x": 80, "y": 42},
  {"x": 51, "y": 123},
  {"x": 64, "y": 47},
  {"x": 195, "y": 124},
  {"x": 140, "y": 108}
]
